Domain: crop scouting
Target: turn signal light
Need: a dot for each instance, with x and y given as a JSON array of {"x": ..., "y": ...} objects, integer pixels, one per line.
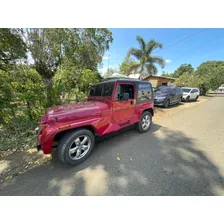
[{"x": 64, "y": 126}]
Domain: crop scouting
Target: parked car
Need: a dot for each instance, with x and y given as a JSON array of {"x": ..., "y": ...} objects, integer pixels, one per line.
[
  {"x": 167, "y": 95},
  {"x": 111, "y": 105},
  {"x": 190, "y": 94}
]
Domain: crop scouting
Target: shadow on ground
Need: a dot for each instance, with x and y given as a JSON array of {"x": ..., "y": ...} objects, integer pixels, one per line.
[{"x": 160, "y": 162}]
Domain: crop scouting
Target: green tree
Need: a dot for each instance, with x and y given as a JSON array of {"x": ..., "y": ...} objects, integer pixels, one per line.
[
  {"x": 187, "y": 79},
  {"x": 29, "y": 90},
  {"x": 183, "y": 69},
  {"x": 146, "y": 62},
  {"x": 73, "y": 84},
  {"x": 211, "y": 75},
  {"x": 127, "y": 65},
  {"x": 6, "y": 98},
  {"x": 12, "y": 48},
  {"x": 50, "y": 48}
]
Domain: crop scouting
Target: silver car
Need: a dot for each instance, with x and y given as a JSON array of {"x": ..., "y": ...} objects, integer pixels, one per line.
[{"x": 190, "y": 93}]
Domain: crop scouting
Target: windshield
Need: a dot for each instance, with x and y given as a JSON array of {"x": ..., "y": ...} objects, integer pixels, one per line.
[
  {"x": 102, "y": 89},
  {"x": 186, "y": 90}
]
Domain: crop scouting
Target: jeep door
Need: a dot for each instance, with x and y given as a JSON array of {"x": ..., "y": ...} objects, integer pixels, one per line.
[{"x": 123, "y": 110}]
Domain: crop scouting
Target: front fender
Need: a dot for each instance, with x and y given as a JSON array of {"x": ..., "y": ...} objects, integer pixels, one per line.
[{"x": 46, "y": 137}]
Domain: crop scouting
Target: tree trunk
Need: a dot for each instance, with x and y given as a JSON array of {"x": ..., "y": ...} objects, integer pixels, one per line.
[{"x": 48, "y": 85}]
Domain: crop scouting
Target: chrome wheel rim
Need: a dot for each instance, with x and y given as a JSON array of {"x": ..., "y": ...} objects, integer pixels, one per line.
[
  {"x": 146, "y": 122},
  {"x": 79, "y": 147}
]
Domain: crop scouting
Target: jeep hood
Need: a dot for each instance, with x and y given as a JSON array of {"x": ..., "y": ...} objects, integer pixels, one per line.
[{"x": 76, "y": 111}]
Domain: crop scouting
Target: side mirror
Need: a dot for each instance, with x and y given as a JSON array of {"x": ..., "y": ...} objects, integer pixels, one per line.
[{"x": 126, "y": 96}]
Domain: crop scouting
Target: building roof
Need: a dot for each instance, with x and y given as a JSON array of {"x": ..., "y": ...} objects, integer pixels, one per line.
[{"x": 159, "y": 76}]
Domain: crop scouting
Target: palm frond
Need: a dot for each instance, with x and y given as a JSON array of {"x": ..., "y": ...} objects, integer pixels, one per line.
[
  {"x": 151, "y": 69},
  {"x": 158, "y": 60},
  {"x": 134, "y": 68},
  {"x": 141, "y": 42},
  {"x": 135, "y": 52},
  {"x": 152, "y": 45}
]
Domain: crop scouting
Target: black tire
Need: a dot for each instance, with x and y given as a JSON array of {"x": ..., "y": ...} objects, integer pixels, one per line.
[
  {"x": 67, "y": 141},
  {"x": 196, "y": 98},
  {"x": 179, "y": 100},
  {"x": 167, "y": 103},
  {"x": 139, "y": 125},
  {"x": 187, "y": 99}
]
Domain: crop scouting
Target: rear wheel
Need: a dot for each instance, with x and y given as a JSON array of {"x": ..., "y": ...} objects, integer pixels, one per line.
[
  {"x": 187, "y": 99},
  {"x": 145, "y": 122},
  {"x": 196, "y": 98},
  {"x": 75, "y": 146},
  {"x": 179, "y": 100}
]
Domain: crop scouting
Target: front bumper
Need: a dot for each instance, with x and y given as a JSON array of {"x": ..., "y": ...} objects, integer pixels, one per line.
[
  {"x": 184, "y": 97},
  {"x": 45, "y": 137},
  {"x": 159, "y": 102}
]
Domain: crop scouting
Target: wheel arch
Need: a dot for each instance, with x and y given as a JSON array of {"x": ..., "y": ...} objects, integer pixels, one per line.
[
  {"x": 149, "y": 110},
  {"x": 61, "y": 133}
]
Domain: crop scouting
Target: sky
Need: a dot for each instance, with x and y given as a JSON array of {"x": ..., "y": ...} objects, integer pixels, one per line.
[{"x": 180, "y": 46}]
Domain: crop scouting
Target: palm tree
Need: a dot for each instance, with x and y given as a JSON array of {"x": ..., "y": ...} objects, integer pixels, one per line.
[{"x": 146, "y": 62}]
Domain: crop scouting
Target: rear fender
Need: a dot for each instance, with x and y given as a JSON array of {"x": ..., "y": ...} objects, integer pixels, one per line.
[{"x": 145, "y": 107}]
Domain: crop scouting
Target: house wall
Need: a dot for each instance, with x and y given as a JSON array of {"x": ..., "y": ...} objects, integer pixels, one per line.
[{"x": 157, "y": 81}]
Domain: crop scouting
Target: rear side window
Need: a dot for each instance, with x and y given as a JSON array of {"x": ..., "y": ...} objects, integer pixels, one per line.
[
  {"x": 144, "y": 87},
  {"x": 145, "y": 91},
  {"x": 196, "y": 91}
]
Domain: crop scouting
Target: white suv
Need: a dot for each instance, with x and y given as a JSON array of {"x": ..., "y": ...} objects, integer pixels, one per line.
[{"x": 190, "y": 93}]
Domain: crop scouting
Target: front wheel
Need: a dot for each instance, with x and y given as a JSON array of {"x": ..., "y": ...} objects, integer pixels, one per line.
[
  {"x": 145, "y": 122},
  {"x": 167, "y": 103},
  {"x": 75, "y": 146}
]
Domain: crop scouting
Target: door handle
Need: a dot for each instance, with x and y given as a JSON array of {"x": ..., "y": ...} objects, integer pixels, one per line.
[{"x": 132, "y": 102}]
